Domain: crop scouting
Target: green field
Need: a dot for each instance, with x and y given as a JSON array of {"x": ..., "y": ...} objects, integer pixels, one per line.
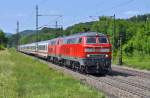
[
  {"x": 135, "y": 61},
  {"x": 140, "y": 62},
  {"x": 24, "y": 77}
]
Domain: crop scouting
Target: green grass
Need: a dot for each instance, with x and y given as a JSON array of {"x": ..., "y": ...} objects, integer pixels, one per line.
[
  {"x": 135, "y": 61},
  {"x": 140, "y": 62},
  {"x": 24, "y": 77},
  {"x": 1, "y": 47}
]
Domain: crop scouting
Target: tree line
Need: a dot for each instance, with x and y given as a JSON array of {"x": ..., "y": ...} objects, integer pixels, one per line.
[
  {"x": 135, "y": 32},
  {"x": 3, "y": 40}
]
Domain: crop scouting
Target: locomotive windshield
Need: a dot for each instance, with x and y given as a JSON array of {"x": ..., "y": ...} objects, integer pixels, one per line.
[
  {"x": 102, "y": 40},
  {"x": 91, "y": 40}
]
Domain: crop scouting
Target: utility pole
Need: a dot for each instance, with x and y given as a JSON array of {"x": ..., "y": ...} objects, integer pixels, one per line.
[
  {"x": 147, "y": 24},
  {"x": 37, "y": 14},
  {"x": 37, "y": 26},
  {"x": 113, "y": 35},
  {"x": 106, "y": 26},
  {"x": 17, "y": 27},
  {"x": 56, "y": 26},
  {"x": 147, "y": 30},
  {"x": 17, "y": 35},
  {"x": 120, "y": 49}
]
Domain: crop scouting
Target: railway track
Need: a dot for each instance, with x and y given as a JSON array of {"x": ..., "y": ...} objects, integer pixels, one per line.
[
  {"x": 118, "y": 88},
  {"x": 133, "y": 83},
  {"x": 131, "y": 72},
  {"x": 124, "y": 89},
  {"x": 112, "y": 85}
]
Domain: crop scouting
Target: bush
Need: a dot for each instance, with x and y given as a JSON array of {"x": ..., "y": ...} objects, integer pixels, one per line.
[{"x": 2, "y": 47}]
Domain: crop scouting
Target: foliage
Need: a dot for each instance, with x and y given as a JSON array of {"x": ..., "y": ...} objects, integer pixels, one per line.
[
  {"x": 135, "y": 33},
  {"x": 81, "y": 27},
  {"x": 2, "y": 47},
  {"x": 43, "y": 34},
  {"x": 137, "y": 60},
  {"x": 25, "y": 77},
  {"x": 3, "y": 39}
]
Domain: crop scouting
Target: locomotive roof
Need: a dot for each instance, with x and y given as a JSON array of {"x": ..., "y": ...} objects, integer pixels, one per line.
[
  {"x": 85, "y": 34},
  {"x": 71, "y": 36}
]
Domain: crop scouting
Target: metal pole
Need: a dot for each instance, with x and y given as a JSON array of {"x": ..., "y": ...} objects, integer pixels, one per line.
[
  {"x": 147, "y": 30},
  {"x": 37, "y": 27},
  {"x": 120, "y": 49},
  {"x": 106, "y": 25},
  {"x": 113, "y": 35},
  {"x": 17, "y": 32},
  {"x": 147, "y": 27},
  {"x": 56, "y": 25}
]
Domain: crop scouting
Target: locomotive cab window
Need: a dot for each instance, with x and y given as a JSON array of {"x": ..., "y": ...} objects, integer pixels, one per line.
[
  {"x": 102, "y": 40},
  {"x": 80, "y": 40},
  {"x": 91, "y": 40}
]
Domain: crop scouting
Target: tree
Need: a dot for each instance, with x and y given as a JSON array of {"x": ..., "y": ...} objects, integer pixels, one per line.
[{"x": 3, "y": 39}]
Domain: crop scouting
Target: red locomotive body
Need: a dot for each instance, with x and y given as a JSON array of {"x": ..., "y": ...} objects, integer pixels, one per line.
[{"x": 86, "y": 52}]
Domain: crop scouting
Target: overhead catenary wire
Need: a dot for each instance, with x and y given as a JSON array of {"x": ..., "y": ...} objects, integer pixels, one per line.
[
  {"x": 116, "y": 6},
  {"x": 42, "y": 2},
  {"x": 32, "y": 13}
]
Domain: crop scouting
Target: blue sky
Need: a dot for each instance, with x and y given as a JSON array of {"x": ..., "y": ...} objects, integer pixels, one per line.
[{"x": 73, "y": 11}]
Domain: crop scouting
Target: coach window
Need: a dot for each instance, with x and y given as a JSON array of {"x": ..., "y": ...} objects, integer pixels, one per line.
[
  {"x": 43, "y": 47},
  {"x": 91, "y": 40}
]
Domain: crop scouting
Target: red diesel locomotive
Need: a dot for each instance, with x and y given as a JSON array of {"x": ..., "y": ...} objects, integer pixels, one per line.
[{"x": 88, "y": 52}]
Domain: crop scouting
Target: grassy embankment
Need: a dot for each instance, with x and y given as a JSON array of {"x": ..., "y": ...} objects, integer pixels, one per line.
[
  {"x": 140, "y": 62},
  {"x": 136, "y": 61},
  {"x": 24, "y": 77}
]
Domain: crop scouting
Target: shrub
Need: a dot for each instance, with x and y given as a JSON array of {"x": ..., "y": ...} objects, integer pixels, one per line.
[{"x": 2, "y": 47}]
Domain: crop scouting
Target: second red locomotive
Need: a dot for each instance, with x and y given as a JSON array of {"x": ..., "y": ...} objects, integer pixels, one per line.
[{"x": 88, "y": 52}]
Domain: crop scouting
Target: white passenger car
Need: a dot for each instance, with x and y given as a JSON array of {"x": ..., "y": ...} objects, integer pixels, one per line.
[
  {"x": 42, "y": 49},
  {"x": 28, "y": 48}
]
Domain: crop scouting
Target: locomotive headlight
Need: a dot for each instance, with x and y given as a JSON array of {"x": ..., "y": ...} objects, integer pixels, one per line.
[
  {"x": 106, "y": 55},
  {"x": 104, "y": 50},
  {"x": 89, "y": 50},
  {"x": 88, "y": 55}
]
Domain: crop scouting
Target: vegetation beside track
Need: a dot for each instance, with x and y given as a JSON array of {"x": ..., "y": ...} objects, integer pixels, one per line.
[
  {"x": 24, "y": 77},
  {"x": 134, "y": 32},
  {"x": 140, "y": 62},
  {"x": 136, "y": 60},
  {"x": 2, "y": 47}
]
